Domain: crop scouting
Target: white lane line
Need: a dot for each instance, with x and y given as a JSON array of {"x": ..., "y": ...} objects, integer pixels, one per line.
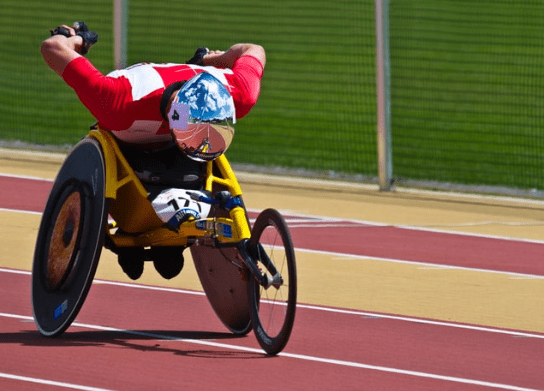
[
  {"x": 20, "y": 211},
  {"x": 356, "y": 223},
  {"x": 34, "y": 178},
  {"x": 346, "y": 256},
  {"x": 50, "y": 382},
  {"x": 319, "y": 308},
  {"x": 372, "y": 315},
  {"x": 418, "y": 227},
  {"x": 322, "y": 360},
  {"x": 471, "y": 234},
  {"x": 325, "y": 225}
]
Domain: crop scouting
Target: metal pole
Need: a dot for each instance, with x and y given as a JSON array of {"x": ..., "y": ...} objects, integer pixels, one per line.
[
  {"x": 120, "y": 21},
  {"x": 385, "y": 166}
]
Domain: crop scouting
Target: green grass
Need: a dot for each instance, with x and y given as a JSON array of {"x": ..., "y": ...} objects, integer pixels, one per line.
[
  {"x": 35, "y": 104},
  {"x": 467, "y": 92},
  {"x": 316, "y": 110},
  {"x": 466, "y": 76}
]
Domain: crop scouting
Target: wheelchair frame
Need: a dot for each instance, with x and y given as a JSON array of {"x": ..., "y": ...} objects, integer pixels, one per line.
[
  {"x": 137, "y": 215},
  {"x": 232, "y": 260}
]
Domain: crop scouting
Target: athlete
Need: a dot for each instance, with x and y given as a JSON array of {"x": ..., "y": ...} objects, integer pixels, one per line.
[
  {"x": 127, "y": 101},
  {"x": 140, "y": 105}
]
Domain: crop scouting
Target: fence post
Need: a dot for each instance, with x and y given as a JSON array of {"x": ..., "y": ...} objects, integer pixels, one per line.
[
  {"x": 120, "y": 22},
  {"x": 383, "y": 84}
]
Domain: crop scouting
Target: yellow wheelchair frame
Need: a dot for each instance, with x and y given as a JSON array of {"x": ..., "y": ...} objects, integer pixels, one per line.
[
  {"x": 248, "y": 274},
  {"x": 132, "y": 211}
]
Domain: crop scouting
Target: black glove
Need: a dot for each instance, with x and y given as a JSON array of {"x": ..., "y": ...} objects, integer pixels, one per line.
[
  {"x": 199, "y": 56},
  {"x": 89, "y": 37},
  {"x": 60, "y": 31}
]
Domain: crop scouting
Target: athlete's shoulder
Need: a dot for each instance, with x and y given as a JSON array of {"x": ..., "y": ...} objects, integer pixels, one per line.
[{"x": 136, "y": 68}]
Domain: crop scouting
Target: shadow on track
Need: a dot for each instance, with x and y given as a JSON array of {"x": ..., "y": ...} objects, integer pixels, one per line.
[{"x": 160, "y": 341}]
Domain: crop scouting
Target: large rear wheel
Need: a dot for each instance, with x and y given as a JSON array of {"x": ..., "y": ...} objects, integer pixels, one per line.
[
  {"x": 70, "y": 239},
  {"x": 273, "y": 308}
]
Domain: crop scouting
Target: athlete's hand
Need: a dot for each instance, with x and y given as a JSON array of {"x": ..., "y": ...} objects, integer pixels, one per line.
[
  {"x": 63, "y": 30},
  {"x": 89, "y": 37},
  {"x": 80, "y": 29},
  {"x": 197, "y": 59},
  {"x": 211, "y": 56}
]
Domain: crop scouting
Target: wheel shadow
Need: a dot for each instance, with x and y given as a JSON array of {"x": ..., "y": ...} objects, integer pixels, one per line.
[{"x": 160, "y": 341}]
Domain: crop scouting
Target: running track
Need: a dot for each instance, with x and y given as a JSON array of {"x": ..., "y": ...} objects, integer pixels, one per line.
[{"x": 116, "y": 345}]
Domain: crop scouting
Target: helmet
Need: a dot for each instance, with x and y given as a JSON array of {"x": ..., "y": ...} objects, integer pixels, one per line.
[{"x": 201, "y": 118}]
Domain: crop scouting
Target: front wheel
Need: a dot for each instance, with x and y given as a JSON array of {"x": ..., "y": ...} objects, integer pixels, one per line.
[{"x": 273, "y": 308}]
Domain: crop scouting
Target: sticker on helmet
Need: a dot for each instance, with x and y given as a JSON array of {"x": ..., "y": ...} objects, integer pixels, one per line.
[{"x": 178, "y": 115}]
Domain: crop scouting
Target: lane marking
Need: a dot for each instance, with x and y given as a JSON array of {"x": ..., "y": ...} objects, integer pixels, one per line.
[
  {"x": 324, "y": 225},
  {"x": 303, "y": 357},
  {"x": 345, "y": 256},
  {"x": 470, "y": 234},
  {"x": 366, "y": 257},
  {"x": 372, "y": 315},
  {"x": 351, "y": 186},
  {"x": 50, "y": 382},
  {"x": 20, "y": 211},
  {"x": 357, "y": 223},
  {"x": 319, "y": 308},
  {"x": 423, "y": 227},
  {"x": 480, "y": 223},
  {"x": 357, "y": 187},
  {"x": 34, "y": 178}
]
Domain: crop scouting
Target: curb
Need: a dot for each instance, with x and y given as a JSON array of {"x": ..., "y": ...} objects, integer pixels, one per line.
[{"x": 314, "y": 184}]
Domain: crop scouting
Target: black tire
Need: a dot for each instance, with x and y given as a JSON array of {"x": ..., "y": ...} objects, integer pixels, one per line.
[
  {"x": 70, "y": 239},
  {"x": 273, "y": 309}
]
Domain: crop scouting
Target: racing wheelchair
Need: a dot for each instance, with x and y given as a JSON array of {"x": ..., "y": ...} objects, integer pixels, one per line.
[{"x": 97, "y": 200}]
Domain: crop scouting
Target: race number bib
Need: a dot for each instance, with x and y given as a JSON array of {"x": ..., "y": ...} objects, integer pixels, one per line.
[{"x": 174, "y": 206}]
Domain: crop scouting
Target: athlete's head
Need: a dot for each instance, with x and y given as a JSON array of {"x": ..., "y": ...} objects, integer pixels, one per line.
[{"x": 201, "y": 117}]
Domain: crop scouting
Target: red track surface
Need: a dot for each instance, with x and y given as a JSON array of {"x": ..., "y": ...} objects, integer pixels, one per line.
[
  {"x": 136, "y": 338},
  {"x": 379, "y": 241},
  {"x": 427, "y": 247}
]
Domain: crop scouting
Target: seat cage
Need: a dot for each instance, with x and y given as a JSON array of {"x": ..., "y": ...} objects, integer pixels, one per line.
[{"x": 135, "y": 222}]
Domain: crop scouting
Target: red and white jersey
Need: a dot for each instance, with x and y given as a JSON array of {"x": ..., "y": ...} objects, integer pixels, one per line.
[{"x": 127, "y": 101}]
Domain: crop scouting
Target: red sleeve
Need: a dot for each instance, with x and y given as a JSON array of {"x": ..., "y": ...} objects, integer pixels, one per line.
[
  {"x": 248, "y": 72},
  {"x": 103, "y": 96}
]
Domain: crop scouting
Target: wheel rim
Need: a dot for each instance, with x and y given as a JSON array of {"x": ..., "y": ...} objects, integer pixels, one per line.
[
  {"x": 273, "y": 310},
  {"x": 272, "y": 304}
]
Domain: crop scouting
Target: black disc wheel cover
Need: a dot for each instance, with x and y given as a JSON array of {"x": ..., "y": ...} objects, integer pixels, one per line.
[{"x": 70, "y": 239}]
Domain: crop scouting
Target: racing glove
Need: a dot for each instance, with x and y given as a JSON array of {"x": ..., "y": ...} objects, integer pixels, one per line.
[
  {"x": 198, "y": 58},
  {"x": 89, "y": 37}
]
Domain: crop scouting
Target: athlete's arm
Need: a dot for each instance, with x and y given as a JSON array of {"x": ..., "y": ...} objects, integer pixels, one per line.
[
  {"x": 58, "y": 51},
  {"x": 228, "y": 58}
]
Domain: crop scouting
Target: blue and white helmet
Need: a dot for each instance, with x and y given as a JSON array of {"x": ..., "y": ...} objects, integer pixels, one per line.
[{"x": 201, "y": 118}]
